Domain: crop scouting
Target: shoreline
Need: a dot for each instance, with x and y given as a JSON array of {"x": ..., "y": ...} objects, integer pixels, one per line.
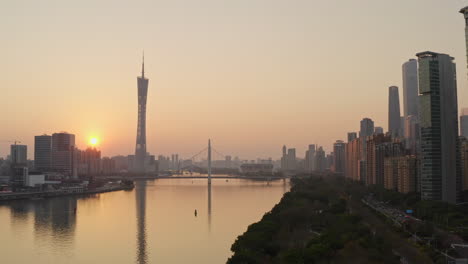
[{"x": 52, "y": 194}]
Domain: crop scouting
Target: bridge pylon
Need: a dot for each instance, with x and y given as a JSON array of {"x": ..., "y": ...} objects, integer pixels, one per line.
[{"x": 209, "y": 161}]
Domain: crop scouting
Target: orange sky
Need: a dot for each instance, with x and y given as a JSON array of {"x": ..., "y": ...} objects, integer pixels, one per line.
[{"x": 250, "y": 74}]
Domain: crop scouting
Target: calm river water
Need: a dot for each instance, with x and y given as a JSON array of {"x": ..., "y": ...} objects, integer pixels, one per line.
[{"x": 154, "y": 223}]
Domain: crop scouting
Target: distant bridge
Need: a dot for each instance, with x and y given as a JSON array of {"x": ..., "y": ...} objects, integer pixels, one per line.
[{"x": 226, "y": 177}]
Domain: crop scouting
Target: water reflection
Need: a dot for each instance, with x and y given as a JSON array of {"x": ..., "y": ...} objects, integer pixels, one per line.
[
  {"x": 54, "y": 220},
  {"x": 156, "y": 217},
  {"x": 140, "y": 195}
]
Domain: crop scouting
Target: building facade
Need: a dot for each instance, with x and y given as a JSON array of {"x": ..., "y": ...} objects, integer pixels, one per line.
[
  {"x": 63, "y": 154},
  {"x": 339, "y": 157},
  {"x": 440, "y": 166},
  {"x": 42, "y": 152},
  {"x": 394, "y": 111},
  {"x": 140, "y": 148},
  {"x": 410, "y": 88}
]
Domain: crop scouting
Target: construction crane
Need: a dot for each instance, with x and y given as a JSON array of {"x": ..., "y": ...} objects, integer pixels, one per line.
[{"x": 9, "y": 141}]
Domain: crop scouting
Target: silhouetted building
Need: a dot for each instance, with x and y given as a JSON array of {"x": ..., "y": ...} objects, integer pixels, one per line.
[
  {"x": 63, "y": 155},
  {"x": 440, "y": 164},
  {"x": 367, "y": 129},
  {"x": 464, "y": 123},
  {"x": 19, "y": 154},
  {"x": 320, "y": 160},
  {"x": 310, "y": 158},
  {"x": 410, "y": 88},
  {"x": 89, "y": 162},
  {"x": 107, "y": 166},
  {"x": 378, "y": 130},
  {"x": 140, "y": 148},
  {"x": 42, "y": 152},
  {"x": 257, "y": 169},
  {"x": 464, "y": 161},
  {"x": 352, "y": 136},
  {"x": 394, "y": 111},
  {"x": 339, "y": 156}
]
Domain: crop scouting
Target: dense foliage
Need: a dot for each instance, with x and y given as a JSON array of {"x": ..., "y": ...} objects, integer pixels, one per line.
[{"x": 311, "y": 224}]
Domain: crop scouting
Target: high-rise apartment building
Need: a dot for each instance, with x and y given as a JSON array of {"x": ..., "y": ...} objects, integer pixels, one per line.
[
  {"x": 339, "y": 154},
  {"x": 367, "y": 129},
  {"x": 19, "y": 154},
  {"x": 310, "y": 158},
  {"x": 394, "y": 111},
  {"x": 353, "y": 157},
  {"x": 320, "y": 160},
  {"x": 352, "y": 136},
  {"x": 440, "y": 164},
  {"x": 42, "y": 152},
  {"x": 63, "y": 154},
  {"x": 378, "y": 130},
  {"x": 411, "y": 133}
]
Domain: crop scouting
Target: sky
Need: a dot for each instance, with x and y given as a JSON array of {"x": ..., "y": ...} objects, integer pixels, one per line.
[{"x": 251, "y": 75}]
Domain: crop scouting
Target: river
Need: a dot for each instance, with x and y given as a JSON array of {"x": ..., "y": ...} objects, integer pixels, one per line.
[{"x": 153, "y": 223}]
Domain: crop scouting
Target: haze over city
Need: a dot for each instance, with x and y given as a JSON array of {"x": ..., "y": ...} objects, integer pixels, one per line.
[{"x": 248, "y": 74}]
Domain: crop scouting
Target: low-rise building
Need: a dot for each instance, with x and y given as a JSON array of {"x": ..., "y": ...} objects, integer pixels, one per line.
[{"x": 257, "y": 169}]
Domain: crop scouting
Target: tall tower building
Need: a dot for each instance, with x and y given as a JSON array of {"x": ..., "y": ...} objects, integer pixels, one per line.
[
  {"x": 440, "y": 164},
  {"x": 464, "y": 11},
  {"x": 394, "y": 111},
  {"x": 410, "y": 88},
  {"x": 42, "y": 152},
  {"x": 140, "y": 148}
]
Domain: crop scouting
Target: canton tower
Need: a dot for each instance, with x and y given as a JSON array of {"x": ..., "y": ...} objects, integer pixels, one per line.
[{"x": 140, "y": 149}]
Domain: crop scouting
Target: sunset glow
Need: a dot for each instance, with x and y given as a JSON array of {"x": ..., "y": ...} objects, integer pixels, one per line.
[{"x": 93, "y": 141}]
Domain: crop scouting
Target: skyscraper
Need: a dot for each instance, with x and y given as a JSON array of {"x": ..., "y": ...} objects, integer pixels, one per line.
[
  {"x": 464, "y": 123},
  {"x": 42, "y": 152},
  {"x": 140, "y": 148},
  {"x": 440, "y": 164},
  {"x": 410, "y": 88},
  {"x": 393, "y": 111},
  {"x": 367, "y": 128},
  {"x": 464, "y": 11}
]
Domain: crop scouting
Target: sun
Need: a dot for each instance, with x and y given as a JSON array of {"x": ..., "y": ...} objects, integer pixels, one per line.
[{"x": 93, "y": 141}]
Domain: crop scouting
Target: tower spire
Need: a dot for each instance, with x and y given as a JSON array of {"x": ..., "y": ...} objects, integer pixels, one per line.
[{"x": 143, "y": 66}]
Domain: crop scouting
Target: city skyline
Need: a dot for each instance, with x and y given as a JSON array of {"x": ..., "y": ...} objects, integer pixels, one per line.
[{"x": 200, "y": 79}]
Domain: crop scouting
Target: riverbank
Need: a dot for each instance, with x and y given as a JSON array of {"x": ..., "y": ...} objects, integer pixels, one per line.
[
  {"x": 323, "y": 220},
  {"x": 57, "y": 193}
]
